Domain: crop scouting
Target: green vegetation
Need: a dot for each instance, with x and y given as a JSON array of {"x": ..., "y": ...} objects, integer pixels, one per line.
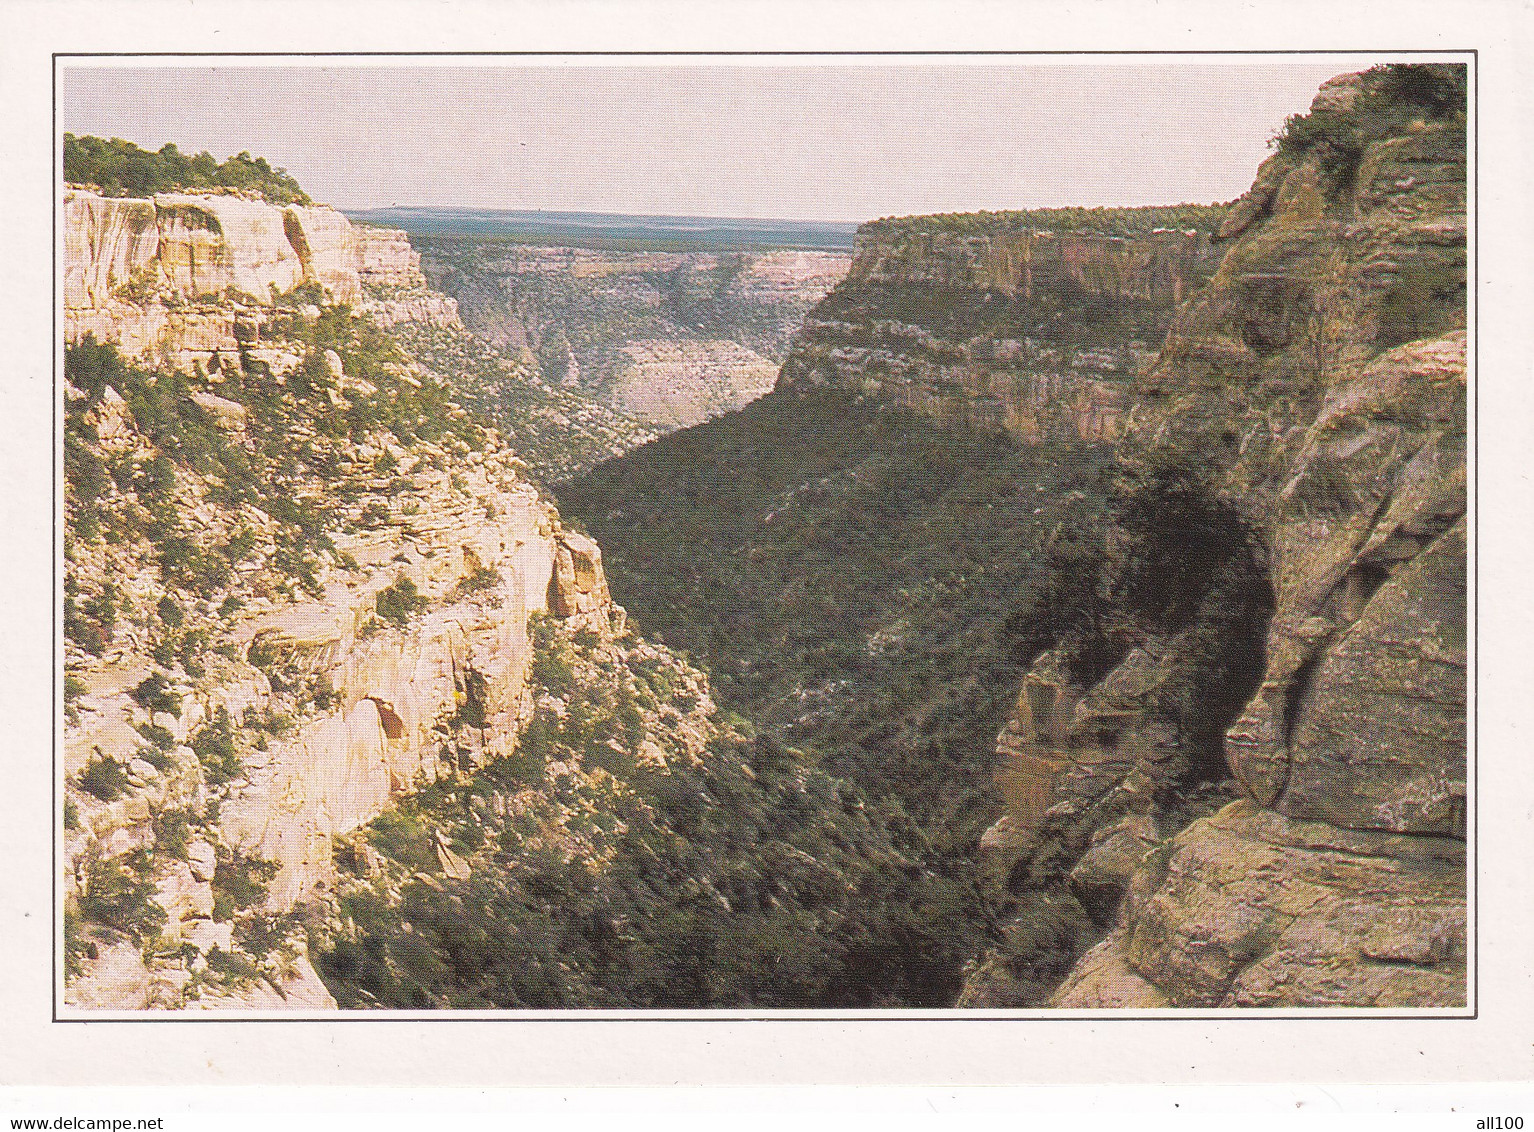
[
  {"x": 103, "y": 778},
  {"x": 869, "y": 588},
  {"x": 1204, "y": 218},
  {"x": 121, "y": 168},
  {"x": 215, "y": 748},
  {"x": 558, "y": 432},
  {"x": 296, "y": 429},
  {"x": 153, "y": 694},
  {"x": 239, "y": 881},
  {"x": 1390, "y": 98},
  {"x": 601, "y": 879},
  {"x": 481, "y": 579},
  {"x": 172, "y": 831},
  {"x": 117, "y": 895},
  {"x": 398, "y": 601},
  {"x": 1426, "y": 299},
  {"x": 851, "y": 578}
]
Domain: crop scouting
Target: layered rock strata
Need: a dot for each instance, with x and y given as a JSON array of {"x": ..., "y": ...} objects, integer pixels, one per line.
[
  {"x": 673, "y": 338},
  {"x": 172, "y": 276},
  {"x": 1035, "y": 333}
]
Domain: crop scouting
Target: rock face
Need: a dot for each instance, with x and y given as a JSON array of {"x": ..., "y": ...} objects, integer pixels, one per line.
[
  {"x": 1320, "y": 378},
  {"x": 385, "y": 257},
  {"x": 328, "y": 249},
  {"x": 672, "y": 338},
  {"x": 679, "y": 384},
  {"x": 395, "y": 689},
  {"x": 108, "y": 241},
  {"x": 397, "y": 697},
  {"x": 282, "y": 636},
  {"x": 1000, "y": 325},
  {"x": 211, "y": 244},
  {"x": 166, "y": 275},
  {"x": 1249, "y": 908}
]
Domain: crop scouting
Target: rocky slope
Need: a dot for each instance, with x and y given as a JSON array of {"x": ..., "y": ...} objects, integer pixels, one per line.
[
  {"x": 670, "y": 337},
  {"x": 298, "y": 578},
  {"x": 1303, "y": 431}
]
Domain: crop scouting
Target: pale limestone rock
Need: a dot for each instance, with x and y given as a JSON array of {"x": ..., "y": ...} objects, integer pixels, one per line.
[
  {"x": 108, "y": 242},
  {"x": 183, "y": 896},
  {"x": 340, "y": 771},
  {"x": 202, "y": 859},
  {"x": 191, "y": 245},
  {"x": 579, "y": 585},
  {"x": 1247, "y": 908},
  {"x": 1103, "y": 980},
  {"x": 205, "y": 935},
  {"x": 299, "y": 990},
  {"x": 327, "y": 248},
  {"x": 454, "y": 867},
  {"x": 116, "y": 980},
  {"x": 425, "y": 307},
  {"x": 385, "y": 257},
  {"x": 230, "y": 414},
  {"x": 1102, "y": 874},
  {"x": 209, "y": 244},
  {"x": 677, "y": 384}
]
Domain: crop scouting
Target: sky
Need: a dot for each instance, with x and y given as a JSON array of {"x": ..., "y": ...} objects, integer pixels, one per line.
[{"x": 805, "y": 139}]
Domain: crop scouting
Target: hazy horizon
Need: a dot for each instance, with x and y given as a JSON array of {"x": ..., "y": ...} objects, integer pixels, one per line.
[{"x": 811, "y": 141}]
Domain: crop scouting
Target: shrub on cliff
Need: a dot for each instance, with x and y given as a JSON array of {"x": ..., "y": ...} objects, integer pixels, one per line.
[
  {"x": 215, "y": 749},
  {"x": 118, "y": 894},
  {"x": 122, "y": 168},
  {"x": 103, "y": 778},
  {"x": 239, "y": 882},
  {"x": 153, "y": 694},
  {"x": 395, "y": 603},
  {"x": 1387, "y": 100}
]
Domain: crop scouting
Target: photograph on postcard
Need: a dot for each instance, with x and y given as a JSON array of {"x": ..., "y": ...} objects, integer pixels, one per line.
[{"x": 960, "y": 534}]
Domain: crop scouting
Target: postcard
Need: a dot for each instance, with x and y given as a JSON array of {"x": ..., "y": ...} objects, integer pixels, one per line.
[{"x": 975, "y": 549}]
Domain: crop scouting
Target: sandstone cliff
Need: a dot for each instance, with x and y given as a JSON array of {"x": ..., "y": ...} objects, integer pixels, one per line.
[
  {"x": 1309, "y": 404},
  {"x": 1012, "y": 322},
  {"x": 183, "y": 275},
  {"x": 298, "y": 581}
]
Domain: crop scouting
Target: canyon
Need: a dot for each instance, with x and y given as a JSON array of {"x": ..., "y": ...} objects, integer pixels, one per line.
[
  {"x": 1077, "y": 620},
  {"x": 1204, "y": 795}
]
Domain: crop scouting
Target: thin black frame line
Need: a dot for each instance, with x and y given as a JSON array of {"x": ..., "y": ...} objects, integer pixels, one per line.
[
  {"x": 55, "y": 819},
  {"x": 1473, "y": 252},
  {"x": 1472, "y": 619},
  {"x": 920, "y": 52},
  {"x": 1199, "y": 1014}
]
